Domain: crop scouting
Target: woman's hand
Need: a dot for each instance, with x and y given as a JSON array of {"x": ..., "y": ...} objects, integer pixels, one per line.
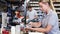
[{"x": 35, "y": 24}]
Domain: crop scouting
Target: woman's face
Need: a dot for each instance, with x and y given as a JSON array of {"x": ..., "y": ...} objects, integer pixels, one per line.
[{"x": 43, "y": 7}]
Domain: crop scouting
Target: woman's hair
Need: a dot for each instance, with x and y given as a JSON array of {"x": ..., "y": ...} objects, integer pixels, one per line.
[{"x": 44, "y": 2}]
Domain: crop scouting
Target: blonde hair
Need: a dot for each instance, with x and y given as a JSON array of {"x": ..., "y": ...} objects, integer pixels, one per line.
[{"x": 49, "y": 3}]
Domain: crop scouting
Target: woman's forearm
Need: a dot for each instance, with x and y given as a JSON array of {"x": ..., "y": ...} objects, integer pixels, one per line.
[{"x": 39, "y": 29}]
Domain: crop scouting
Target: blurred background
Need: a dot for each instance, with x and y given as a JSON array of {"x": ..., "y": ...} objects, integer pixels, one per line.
[{"x": 10, "y": 6}]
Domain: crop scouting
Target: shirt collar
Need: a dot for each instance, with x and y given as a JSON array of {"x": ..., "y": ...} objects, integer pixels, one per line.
[{"x": 49, "y": 12}]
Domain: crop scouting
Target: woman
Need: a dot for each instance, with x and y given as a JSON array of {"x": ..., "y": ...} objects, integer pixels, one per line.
[{"x": 50, "y": 20}]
